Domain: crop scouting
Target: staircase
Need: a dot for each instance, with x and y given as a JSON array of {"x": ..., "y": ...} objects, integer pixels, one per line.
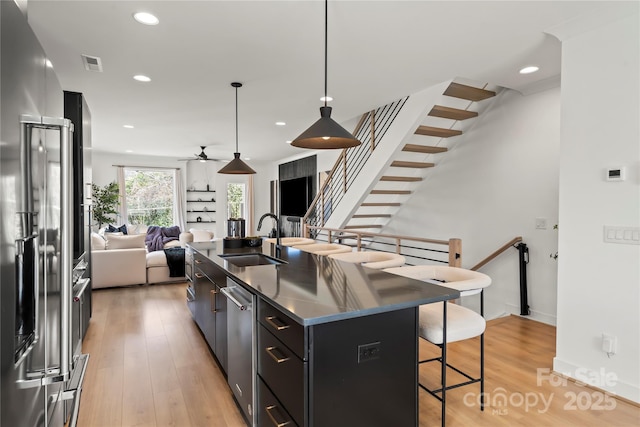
[{"x": 399, "y": 157}]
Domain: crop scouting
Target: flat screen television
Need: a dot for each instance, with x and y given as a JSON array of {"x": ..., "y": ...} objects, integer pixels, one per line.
[{"x": 295, "y": 196}]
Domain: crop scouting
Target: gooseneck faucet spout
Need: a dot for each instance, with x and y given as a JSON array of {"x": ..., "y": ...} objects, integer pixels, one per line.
[{"x": 269, "y": 214}]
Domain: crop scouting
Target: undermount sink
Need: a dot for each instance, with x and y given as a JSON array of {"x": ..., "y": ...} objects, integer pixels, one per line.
[{"x": 248, "y": 260}]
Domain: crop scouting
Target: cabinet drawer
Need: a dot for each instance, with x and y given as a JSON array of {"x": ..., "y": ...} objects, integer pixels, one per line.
[
  {"x": 282, "y": 326},
  {"x": 283, "y": 371},
  {"x": 212, "y": 271},
  {"x": 271, "y": 413}
]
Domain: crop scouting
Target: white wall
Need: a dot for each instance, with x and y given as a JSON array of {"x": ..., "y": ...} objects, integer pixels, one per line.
[
  {"x": 599, "y": 283},
  {"x": 489, "y": 188}
]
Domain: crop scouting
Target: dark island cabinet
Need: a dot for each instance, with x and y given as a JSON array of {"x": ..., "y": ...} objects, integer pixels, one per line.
[
  {"x": 342, "y": 373},
  {"x": 211, "y": 306}
]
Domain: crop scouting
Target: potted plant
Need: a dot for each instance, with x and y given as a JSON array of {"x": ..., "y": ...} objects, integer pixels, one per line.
[{"x": 105, "y": 200}]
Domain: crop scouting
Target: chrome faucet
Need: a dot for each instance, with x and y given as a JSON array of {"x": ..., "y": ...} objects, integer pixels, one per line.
[{"x": 277, "y": 225}]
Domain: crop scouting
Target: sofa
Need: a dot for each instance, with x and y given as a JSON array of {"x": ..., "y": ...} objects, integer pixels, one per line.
[{"x": 120, "y": 259}]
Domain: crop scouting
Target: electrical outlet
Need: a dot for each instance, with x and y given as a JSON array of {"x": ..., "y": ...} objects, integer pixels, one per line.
[
  {"x": 368, "y": 352},
  {"x": 609, "y": 344}
]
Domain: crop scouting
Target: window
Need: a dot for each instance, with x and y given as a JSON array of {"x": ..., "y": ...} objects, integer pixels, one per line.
[
  {"x": 149, "y": 196},
  {"x": 236, "y": 200}
]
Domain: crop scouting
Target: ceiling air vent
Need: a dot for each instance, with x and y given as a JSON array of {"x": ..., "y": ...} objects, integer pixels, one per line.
[{"x": 92, "y": 63}]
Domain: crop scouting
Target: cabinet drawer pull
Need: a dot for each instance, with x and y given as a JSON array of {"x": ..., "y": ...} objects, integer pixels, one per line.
[
  {"x": 198, "y": 261},
  {"x": 274, "y": 408},
  {"x": 199, "y": 276},
  {"x": 213, "y": 301},
  {"x": 272, "y": 321},
  {"x": 269, "y": 351}
]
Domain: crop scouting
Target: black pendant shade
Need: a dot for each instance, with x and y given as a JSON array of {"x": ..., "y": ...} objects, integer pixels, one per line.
[
  {"x": 236, "y": 166},
  {"x": 326, "y": 133}
]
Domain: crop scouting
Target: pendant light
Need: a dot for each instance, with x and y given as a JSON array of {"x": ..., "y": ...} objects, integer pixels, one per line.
[
  {"x": 325, "y": 133},
  {"x": 236, "y": 166}
]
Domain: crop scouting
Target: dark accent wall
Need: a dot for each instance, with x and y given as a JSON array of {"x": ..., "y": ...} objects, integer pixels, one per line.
[{"x": 301, "y": 168}]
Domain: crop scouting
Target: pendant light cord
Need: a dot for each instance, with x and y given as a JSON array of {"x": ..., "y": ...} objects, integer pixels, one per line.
[
  {"x": 326, "y": 18},
  {"x": 236, "y": 119}
]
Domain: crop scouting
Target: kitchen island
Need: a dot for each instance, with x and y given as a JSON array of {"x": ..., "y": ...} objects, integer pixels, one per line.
[{"x": 332, "y": 343}]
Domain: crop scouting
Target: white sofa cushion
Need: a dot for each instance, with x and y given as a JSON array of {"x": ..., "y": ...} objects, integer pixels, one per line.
[
  {"x": 118, "y": 267},
  {"x": 97, "y": 242},
  {"x": 124, "y": 242},
  {"x": 201, "y": 235}
]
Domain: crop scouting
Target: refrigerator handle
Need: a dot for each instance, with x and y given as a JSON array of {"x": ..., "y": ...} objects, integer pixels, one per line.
[{"x": 54, "y": 374}]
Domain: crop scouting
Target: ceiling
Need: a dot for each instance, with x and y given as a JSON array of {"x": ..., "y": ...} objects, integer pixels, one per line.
[{"x": 379, "y": 51}]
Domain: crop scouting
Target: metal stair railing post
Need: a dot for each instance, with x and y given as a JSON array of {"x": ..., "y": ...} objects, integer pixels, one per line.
[{"x": 523, "y": 259}]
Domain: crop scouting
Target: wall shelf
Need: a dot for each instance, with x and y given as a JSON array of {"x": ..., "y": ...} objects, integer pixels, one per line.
[
  {"x": 201, "y": 191},
  {"x": 202, "y": 211},
  {"x": 200, "y": 222}
]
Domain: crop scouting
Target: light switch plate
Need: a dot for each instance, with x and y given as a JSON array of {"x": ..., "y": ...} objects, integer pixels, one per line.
[
  {"x": 624, "y": 235},
  {"x": 541, "y": 223}
]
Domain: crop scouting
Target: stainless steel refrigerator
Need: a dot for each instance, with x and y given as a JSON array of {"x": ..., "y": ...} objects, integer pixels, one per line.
[{"x": 40, "y": 378}]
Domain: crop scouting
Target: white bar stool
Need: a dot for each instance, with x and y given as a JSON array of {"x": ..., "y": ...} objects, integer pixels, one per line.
[
  {"x": 377, "y": 260},
  {"x": 461, "y": 322},
  {"x": 324, "y": 248}
]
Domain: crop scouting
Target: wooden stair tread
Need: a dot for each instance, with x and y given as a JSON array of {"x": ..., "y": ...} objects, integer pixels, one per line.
[
  {"x": 428, "y": 149},
  {"x": 347, "y": 227},
  {"x": 371, "y": 216},
  {"x": 439, "y": 132},
  {"x": 401, "y": 178},
  {"x": 367, "y": 204},
  {"x": 470, "y": 93},
  {"x": 390, "y": 192},
  {"x": 405, "y": 164},
  {"x": 451, "y": 113}
]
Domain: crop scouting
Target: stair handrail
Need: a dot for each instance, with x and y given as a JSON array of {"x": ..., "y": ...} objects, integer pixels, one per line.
[
  {"x": 454, "y": 244},
  {"x": 523, "y": 260},
  {"x": 351, "y": 161},
  {"x": 495, "y": 254}
]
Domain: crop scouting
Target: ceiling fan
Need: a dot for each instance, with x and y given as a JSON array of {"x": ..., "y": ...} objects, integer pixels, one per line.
[{"x": 201, "y": 157}]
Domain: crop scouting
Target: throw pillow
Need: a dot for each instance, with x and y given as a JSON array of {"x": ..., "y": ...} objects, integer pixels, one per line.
[
  {"x": 122, "y": 229},
  {"x": 97, "y": 242},
  {"x": 124, "y": 242}
]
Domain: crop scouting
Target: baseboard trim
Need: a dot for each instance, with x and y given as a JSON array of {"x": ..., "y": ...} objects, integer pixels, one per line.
[
  {"x": 621, "y": 390},
  {"x": 549, "y": 319}
]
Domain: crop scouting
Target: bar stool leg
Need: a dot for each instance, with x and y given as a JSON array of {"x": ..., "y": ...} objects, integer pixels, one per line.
[{"x": 444, "y": 361}]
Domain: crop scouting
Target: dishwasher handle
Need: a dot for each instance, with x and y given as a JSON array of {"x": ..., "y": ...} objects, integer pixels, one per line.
[{"x": 227, "y": 293}]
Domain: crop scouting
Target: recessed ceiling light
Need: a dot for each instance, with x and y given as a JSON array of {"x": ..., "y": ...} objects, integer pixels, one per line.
[
  {"x": 530, "y": 69},
  {"x": 128, "y": 151},
  {"x": 146, "y": 18},
  {"x": 48, "y": 63},
  {"x": 288, "y": 142},
  {"x": 247, "y": 158},
  {"x": 326, "y": 98},
  {"x": 142, "y": 78},
  {"x": 127, "y": 126},
  {"x": 280, "y": 123}
]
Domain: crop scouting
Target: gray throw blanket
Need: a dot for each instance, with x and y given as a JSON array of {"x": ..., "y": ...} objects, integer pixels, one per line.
[{"x": 157, "y": 236}]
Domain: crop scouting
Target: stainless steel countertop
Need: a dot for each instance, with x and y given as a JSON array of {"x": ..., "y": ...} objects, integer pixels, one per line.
[{"x": 315, "y": 289}]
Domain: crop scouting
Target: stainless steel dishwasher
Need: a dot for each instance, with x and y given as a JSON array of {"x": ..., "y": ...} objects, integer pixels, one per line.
[{"x": 241, "y": 320}]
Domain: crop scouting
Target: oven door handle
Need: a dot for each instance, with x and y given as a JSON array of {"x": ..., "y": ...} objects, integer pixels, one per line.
[{"x": 82, "y": 286}]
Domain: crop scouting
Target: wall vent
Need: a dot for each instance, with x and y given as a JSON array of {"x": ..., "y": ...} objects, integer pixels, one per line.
[{"x": 92, "y": 63}]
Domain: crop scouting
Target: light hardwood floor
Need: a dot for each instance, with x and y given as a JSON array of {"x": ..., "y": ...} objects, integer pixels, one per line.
[{"x": 150, "y": 366}]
